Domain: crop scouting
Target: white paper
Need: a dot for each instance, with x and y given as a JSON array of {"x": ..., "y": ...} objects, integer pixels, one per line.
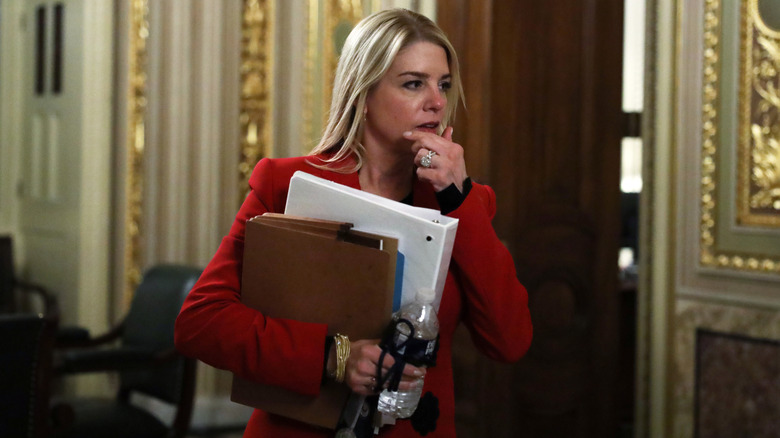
[{"x": 425, "y": 236}]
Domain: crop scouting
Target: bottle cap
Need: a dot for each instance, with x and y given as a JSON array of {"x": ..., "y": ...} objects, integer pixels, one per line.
[{"x": 426, "y": 295}]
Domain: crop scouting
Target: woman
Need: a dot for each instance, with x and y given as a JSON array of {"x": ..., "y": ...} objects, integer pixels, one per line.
[{"x": 396, "y": 90}]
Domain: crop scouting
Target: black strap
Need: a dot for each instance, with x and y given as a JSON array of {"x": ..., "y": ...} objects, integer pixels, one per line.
[{"x": 393, "y": 375}]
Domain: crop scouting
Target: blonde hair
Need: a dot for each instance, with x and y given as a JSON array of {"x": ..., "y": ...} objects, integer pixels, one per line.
[{"x": 368, "y": 53}]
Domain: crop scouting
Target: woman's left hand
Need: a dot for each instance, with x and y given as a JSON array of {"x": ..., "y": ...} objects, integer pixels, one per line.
[
  {"x": 361, "y": 367},
  {"x": 447, "y": 166}
]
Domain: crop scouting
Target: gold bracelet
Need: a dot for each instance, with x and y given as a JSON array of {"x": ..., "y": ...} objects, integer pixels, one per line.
[{"x": 342, "y": 354}]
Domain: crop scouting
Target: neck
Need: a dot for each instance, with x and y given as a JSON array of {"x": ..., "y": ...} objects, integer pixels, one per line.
[{"x": 387, "y": 174}]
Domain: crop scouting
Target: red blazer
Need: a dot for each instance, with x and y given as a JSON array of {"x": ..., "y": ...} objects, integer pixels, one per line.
[{"x": 481, "y": 290}]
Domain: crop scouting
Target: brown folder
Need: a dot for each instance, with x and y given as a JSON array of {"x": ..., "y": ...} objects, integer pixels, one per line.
[{"x": 315, "y": 271}]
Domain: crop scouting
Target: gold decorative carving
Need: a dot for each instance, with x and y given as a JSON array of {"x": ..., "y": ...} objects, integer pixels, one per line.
[
  {"x": 311, "y": 63},
  {"x": 139, "y": 34},
  {"x": 340, "y": 17},
  {"x": 329, "y": 23},
  {"x": 256, "y": 91},
  {"x": 710, "y": 254},
  {"x": 759, "y": 122}
]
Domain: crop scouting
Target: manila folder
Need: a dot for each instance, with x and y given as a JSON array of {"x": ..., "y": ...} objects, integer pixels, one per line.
[{"x": 314, "y": 274}]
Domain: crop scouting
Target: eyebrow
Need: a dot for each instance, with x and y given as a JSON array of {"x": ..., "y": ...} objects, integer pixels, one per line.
[{"x": 422, "y": 75}]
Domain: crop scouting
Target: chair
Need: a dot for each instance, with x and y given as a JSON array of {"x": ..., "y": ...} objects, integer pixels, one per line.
[
  {"x": 10, "y": 300},
  {"x": 145, "y": 359},
  {"x": 25, "y": 360}
]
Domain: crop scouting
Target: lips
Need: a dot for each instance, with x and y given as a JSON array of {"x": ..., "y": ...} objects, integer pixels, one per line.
[{"x": 428, "y": 127}]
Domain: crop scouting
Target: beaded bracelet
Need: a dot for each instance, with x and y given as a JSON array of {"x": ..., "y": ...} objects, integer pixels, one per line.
[{"x": 342, "y": 353}]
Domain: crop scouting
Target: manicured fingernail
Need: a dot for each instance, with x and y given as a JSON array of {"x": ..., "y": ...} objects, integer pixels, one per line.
[
  {"x": 407, "y": 133},
  {"x": 418, "y": 373}
]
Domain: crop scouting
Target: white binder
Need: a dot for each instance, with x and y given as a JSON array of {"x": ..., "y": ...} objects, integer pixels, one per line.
[{"x": 425, "y": 236}]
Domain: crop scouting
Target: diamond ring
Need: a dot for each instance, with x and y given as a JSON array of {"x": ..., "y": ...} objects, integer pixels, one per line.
[{"x": 426, "y": 160}]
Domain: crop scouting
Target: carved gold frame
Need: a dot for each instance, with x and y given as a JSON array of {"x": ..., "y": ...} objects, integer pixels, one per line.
[
  {"x": 257, "y": 30},
  {"x": 759, "y": 149},
  {"x": 710, "y": 254},
  {"x": 139, "y": 34},
  {"x": 338, "y": 13},
  {"x": 326, "y": 22}
]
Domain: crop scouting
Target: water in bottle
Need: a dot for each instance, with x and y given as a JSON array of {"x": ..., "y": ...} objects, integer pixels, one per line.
[{"x": 422, "y": 316}]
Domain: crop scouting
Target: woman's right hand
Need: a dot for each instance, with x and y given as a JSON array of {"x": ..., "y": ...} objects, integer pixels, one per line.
[{"x": 360, "y": 373}]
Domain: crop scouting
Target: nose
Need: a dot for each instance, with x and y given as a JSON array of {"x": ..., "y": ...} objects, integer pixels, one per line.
[{"x": 436, "y": 100}]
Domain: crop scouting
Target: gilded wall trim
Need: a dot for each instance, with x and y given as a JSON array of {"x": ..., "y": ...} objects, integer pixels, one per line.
[
  {"x": 710, "y": 254},
  {"x": 137, "y": 99},
  {"x": 329, "y": 22},
  {"x": 340, "y": 17},
  {"x": 257, "y": 29},
  {"x": 759, "y": 122},
  {"x": 310, "y": 132}
]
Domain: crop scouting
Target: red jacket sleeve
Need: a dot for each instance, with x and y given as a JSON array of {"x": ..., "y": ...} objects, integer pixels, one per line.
[
  {"x": 215, "y": 327},
  {"x": 495, "y": 303}
]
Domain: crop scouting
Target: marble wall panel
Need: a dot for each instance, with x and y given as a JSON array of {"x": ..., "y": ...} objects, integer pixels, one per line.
[
  {"x": 737, "y": 385},
  {"x": 692, "y": 315}
]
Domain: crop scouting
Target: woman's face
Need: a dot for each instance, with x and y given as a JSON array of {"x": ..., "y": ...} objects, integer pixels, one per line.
[{"x": 412, "y": 95}]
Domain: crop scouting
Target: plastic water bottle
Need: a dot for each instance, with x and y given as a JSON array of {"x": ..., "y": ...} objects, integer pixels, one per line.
[{"x": 421, "y": 314}]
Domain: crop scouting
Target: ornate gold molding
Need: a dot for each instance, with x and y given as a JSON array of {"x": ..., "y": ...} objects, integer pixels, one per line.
[
  {"x": 329, "y": 22},
  {"x": 139, "y": 34},
  {"x": 311, "y": 71},
  {"x": 710, "y": 255},
  {"x": 340, "y": 17},
  {"x": 256, "y": 91},
  {"x": 709, "y": 140},
  {"x": 759, "y": 122}
]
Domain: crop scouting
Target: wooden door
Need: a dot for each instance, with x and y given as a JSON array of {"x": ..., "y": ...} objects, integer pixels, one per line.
[{"x": 543, "y": 88}]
